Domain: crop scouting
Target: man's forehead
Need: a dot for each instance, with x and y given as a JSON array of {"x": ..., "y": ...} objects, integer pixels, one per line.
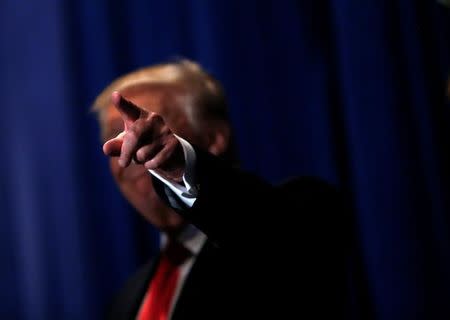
[
  {"x": 161, "y": 99},
  {"x": 153, "y": 97},
  {"x": 152, "y": 89},
  {"x": 144, "y": 98}
]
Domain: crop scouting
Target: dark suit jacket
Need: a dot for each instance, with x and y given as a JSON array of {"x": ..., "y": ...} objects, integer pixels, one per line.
[{"x": 272, "y": 252}]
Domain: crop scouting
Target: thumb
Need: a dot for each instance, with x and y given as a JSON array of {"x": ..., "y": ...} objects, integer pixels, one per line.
[{"x": 113, "y": 146}]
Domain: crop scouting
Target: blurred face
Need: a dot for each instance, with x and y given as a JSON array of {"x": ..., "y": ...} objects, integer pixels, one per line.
[{"x": 135, "y": 181}]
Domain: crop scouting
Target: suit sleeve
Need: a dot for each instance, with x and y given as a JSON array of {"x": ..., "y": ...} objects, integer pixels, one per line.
[
  {"x": 235, "y": 207},
  {"x": 296, "y": 232},
  {"x": 227, "y": 200}
]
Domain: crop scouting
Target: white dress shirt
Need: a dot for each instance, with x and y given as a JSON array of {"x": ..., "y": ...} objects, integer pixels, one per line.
[{"x": 193, "y": 240}]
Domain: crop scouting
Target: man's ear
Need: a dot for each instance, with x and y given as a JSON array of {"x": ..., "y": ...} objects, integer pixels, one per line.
[{"x": 219, "y": 138}]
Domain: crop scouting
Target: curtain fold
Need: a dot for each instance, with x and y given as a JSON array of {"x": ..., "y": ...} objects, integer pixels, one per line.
[{"x": 350, "y": 91}]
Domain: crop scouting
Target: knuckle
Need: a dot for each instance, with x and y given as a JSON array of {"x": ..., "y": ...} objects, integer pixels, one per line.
[
  {"x": 136, "y": 128},
  {"x": 150, "y": 164},
  {"x": 131, "y": 134},
  {"x": 156, "y": 118},
  {"x": 141, "y": 154},
  {"x": 152, "y": 116}
]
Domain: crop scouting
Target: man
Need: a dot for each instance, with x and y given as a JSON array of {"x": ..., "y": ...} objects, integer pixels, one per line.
[
  {"x": 194, "y": 105},
  {"x": 251, "y": 249}
]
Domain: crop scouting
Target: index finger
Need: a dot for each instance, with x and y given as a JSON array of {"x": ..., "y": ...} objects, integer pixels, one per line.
[{"x": 128, "y": 110}]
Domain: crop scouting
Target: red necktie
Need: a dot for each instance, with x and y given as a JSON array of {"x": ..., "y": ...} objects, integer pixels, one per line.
[{"x": 160, "y": 293}]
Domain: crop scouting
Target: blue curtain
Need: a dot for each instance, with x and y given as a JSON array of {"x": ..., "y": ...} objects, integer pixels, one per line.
[{"x": 351, "y": 91}]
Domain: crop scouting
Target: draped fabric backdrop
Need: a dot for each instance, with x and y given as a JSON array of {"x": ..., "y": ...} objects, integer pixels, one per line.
[{"x": 351, "y": 91}]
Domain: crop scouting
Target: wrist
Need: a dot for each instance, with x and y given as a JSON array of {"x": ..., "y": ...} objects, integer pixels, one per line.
[{"x": 174, "y": 168}]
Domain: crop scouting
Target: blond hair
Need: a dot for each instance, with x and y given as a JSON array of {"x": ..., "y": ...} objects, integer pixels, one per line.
[{"x": 203, "y": 91}]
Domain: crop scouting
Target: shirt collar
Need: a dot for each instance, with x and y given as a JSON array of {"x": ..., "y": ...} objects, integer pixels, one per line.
[{"x": 190, "y": 237}]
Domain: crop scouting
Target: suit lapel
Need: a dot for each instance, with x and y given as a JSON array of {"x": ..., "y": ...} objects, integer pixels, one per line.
[
  {"x": 193, "y": 303},
  {"x": 130, "y": 298}
]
